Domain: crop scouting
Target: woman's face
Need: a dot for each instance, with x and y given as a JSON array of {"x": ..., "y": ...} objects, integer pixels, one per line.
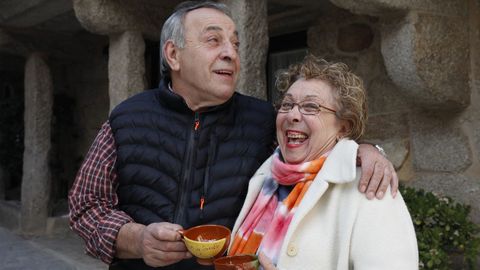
[{"x": 306, "y": 137}]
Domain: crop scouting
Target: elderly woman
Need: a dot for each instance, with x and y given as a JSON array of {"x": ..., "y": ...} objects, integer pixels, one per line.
[{"x": 303, "y": 210}]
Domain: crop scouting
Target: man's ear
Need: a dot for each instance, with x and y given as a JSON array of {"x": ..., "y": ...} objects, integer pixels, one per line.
[{"x": 171, "y": 53}]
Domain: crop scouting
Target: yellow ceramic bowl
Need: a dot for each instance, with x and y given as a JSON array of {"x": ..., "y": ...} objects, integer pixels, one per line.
[
  {"x": 206, "y": 242},
  {"x": 205, "y": 249}
]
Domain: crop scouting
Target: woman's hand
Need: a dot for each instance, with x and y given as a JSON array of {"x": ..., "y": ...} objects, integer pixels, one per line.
[
  {"x": 377, "y": 173},
  {"x": 265, "y": 262}
]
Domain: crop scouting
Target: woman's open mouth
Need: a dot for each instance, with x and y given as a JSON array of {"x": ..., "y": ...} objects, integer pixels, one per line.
[{"x": 295, "y": 137}]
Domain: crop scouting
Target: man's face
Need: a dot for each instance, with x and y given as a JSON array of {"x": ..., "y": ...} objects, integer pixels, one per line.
[{"x": 209, "y": 64}]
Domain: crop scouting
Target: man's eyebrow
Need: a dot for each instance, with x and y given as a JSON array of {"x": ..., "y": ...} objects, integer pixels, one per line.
[
  {"x": 219, "y": 29},
  {"x": 213, "y": 28}
]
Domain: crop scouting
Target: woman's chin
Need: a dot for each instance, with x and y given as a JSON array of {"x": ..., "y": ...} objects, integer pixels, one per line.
[
  {"x": 293, "y": 159},
  {"x": 293, "y": 153}
]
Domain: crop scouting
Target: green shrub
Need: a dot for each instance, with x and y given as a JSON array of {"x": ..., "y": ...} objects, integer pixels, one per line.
[{"x": 443, "y": 229}]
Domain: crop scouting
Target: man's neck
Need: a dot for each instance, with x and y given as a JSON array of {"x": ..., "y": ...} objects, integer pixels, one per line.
[{"x": 189, "y": 100}]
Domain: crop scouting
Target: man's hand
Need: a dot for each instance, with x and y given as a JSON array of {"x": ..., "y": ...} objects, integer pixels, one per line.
[
  {"x": 377, "y": 173},
  {"x": 159, "y": 244},
  {"x": 162, "y": 245},
  {"x": 265, "y": 262}
]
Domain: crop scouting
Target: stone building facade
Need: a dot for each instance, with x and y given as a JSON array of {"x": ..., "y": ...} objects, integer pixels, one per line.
[{"x": 70, "y": 62}]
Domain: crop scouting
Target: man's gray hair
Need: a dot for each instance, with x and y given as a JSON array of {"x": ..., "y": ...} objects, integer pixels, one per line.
[{"x": 173, "y": 28}]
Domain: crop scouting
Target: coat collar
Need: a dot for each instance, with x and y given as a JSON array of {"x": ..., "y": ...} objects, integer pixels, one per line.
[{"x": 340, "y": 166}]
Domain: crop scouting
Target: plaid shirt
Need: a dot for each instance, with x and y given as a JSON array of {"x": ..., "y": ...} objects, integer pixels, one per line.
[{"x": 93, "y": 201}]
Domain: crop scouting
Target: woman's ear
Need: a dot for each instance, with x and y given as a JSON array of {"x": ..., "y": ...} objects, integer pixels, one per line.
[
  {"x": 170, "y": 51},
  {"x": 345, "y": 128}
]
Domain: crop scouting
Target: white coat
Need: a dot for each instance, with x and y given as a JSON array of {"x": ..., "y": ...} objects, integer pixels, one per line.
[{"x": 337, "y": 227}]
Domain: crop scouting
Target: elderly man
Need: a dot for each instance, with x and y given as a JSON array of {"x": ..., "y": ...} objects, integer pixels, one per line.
[{"x": 181, "y": 155}]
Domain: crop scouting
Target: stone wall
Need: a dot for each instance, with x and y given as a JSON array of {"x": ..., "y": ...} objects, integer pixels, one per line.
[
  {"x": 433, "y": 144},
  {"x": 471, "y": 121}
]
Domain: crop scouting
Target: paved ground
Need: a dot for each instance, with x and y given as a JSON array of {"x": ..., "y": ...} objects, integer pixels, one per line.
[{"x": 42, "y": 253}]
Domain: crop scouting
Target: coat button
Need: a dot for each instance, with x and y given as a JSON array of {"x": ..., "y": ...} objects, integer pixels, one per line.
[{"x": 292, "y": 250}]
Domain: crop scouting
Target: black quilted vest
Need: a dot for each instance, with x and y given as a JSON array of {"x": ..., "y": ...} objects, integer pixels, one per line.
[{"x": 169, "y": 158}]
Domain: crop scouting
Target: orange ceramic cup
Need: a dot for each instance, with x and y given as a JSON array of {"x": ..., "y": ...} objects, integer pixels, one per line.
[
  {"x": 237, "y": 262},
  {"x": 206, "y": 242}
]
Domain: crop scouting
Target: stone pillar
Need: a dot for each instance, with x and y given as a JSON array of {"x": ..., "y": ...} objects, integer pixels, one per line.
[
  {"x": 126, "y": 66},
  {"x": 36, "y": 170},
  {"x": 251, "y": 19},
  {"x": 126, "y": 22}
]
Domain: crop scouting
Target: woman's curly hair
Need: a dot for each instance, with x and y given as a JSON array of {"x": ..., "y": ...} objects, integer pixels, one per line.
[{"x": 348, "y": 89}]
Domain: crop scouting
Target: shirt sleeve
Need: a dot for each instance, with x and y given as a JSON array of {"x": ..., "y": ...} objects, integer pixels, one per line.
[{"x": 93, "y": 202}]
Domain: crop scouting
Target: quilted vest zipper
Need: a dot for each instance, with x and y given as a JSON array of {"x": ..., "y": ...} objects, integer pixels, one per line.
[
  {"x": 187, "y": 171},
  {"x": 212, "y": 149}
]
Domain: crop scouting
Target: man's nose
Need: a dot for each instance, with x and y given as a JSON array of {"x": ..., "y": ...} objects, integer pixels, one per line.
[{"x": 229, "y": 51}]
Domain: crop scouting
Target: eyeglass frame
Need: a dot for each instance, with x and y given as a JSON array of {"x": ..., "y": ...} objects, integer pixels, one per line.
[{"x": 302, "y": 111}]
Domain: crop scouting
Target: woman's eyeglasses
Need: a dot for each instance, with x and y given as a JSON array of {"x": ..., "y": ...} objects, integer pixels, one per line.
[{"x": 305, "y": 107}]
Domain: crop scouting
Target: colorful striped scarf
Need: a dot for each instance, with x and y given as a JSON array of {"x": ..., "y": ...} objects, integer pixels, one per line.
[{"x": 265, "y": 226}]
